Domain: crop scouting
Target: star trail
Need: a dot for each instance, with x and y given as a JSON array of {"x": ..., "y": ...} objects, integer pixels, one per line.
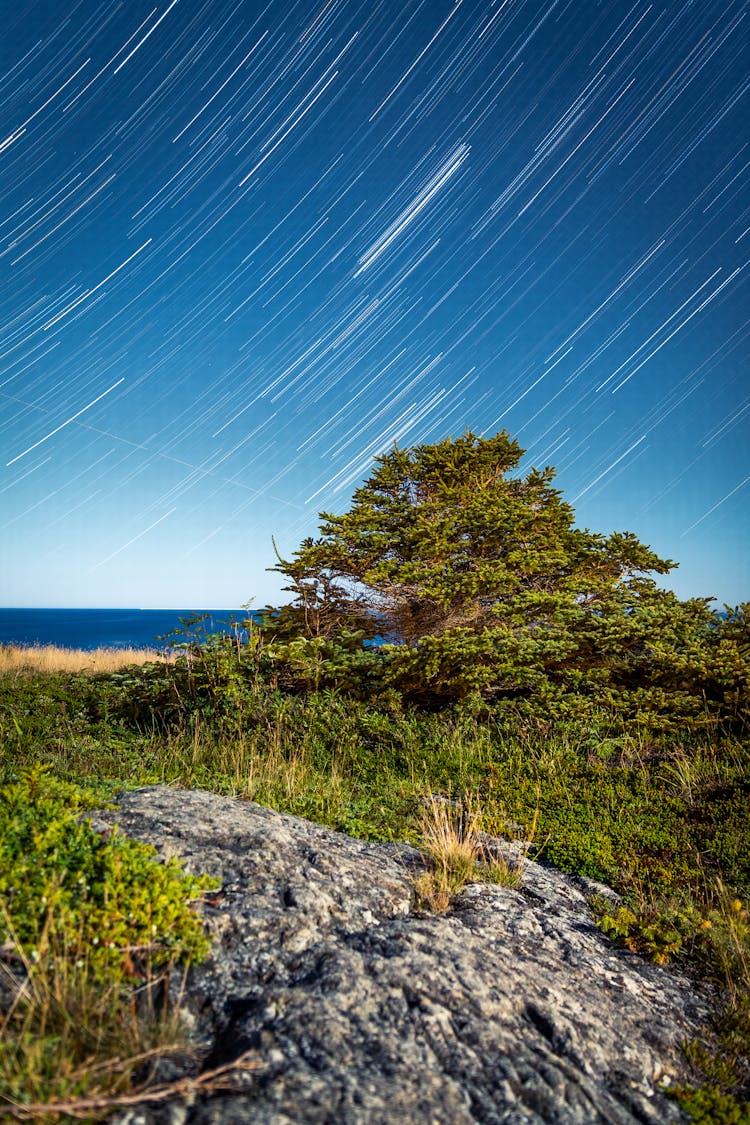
[{"x": 247, "y": 246}]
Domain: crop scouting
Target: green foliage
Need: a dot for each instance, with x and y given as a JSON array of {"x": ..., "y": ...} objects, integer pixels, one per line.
[
  {"x": 659, "y": 933},
  {"x": 90, "y": 926},
  {"x": 483, "y": 587},
  {"x": 718, "y": 1100},
  {"x": 710, "y": 928},
  {"x": 108, "y": 890},
  {"x": 441, "y": 537},
  {"x": 708, "y": 1105},
  {"x": 315, "y": 663}
]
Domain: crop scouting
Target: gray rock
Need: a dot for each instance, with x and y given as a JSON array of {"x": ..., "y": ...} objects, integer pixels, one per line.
[{"x": 512, "y": 1008}]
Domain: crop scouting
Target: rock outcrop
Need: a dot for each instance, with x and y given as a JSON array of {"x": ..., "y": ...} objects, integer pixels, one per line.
[{"x": 511, "y": 1008}]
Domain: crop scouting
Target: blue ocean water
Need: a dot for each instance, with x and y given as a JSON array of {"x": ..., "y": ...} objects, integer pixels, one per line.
[{"x": 107, "y": 628}]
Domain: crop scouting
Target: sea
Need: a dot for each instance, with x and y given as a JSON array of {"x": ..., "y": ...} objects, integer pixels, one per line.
[{"x": 109, "y": 628}]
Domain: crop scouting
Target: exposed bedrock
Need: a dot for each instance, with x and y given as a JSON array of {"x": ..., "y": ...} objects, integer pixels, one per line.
[{"x": 511, "y": 1008}]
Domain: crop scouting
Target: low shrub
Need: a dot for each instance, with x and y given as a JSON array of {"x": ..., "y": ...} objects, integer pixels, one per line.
[{"x": 91, "y": 925}]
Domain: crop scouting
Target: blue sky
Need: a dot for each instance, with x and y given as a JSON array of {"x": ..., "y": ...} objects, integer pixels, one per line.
[{"x": 246, "y": 246}]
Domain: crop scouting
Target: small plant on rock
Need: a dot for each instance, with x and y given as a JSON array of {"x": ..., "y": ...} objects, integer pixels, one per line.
[{"x": 458, "y": 854}]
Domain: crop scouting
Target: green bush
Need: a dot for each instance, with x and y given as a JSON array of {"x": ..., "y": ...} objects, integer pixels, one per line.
[
  {"x": 707, "y": 1105},
  {"x": 107, "y": 890},
  {"x": 90, "y": 927},
  {"x": 483, "y": 587}
]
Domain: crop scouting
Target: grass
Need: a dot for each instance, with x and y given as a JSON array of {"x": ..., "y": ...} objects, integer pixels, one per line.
[
  {"x": 68, "y": 1034},
  {"x": 458, "y": 853},
  {"x": 50, "y": 658},
  {"x": 91, "y": 927},
  {"x": 663, "y": 821}
]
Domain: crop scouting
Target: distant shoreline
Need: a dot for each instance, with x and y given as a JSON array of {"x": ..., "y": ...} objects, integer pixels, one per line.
[{"x": 89, "y": 629}]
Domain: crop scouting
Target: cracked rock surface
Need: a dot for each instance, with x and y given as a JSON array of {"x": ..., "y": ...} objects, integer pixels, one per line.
[{"x": 511, "y": 1008}]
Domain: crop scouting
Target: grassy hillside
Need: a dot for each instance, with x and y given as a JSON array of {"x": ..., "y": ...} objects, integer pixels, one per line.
[{"x": 661, "y": 817}]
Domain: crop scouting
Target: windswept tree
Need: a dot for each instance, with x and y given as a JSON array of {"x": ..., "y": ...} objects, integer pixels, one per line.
[{"x": 480, "y": 581}]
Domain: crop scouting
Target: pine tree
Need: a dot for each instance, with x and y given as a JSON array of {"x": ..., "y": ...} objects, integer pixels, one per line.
[{"x": 478, "y": 577}]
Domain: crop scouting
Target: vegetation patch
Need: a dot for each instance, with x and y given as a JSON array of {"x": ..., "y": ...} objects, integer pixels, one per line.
[
  {"x": 532, "y": 679},
  {"x": 91, "y": 926},
  {"x": 458, "y": 853},
  {"x": 51, "y": 658}
]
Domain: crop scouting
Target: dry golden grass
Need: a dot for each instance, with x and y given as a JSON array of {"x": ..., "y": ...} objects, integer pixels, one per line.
[
  {"x": 64, "y": 1030},
  {"x": 48, "y": 658},
  {"x": 453, "y": 840},
  {"x": 74, "y": 1042}
]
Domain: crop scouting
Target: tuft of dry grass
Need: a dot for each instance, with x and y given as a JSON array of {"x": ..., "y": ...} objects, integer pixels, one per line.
[
  {"x": 76, "y": 1045},
  {"x": 66, "y": 1031},
  {"x": 49, "y": 658},
  {"x": 458, "y": 854}
]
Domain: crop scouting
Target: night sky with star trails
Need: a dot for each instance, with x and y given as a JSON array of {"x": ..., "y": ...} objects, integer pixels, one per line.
[{"x": 246, "y": 246}]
